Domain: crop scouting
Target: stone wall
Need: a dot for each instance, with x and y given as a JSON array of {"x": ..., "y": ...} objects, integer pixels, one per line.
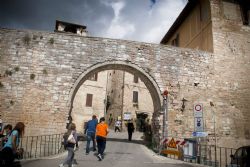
[
  {"x": 40, "y": 78},
  {"x": 231, "y": 88}
]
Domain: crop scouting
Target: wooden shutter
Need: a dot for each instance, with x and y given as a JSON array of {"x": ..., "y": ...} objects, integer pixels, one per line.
[
  {"x": 135, "y": 79},
  {"x": 135, "y": 97},
  {"x": 89, "y": 100}
]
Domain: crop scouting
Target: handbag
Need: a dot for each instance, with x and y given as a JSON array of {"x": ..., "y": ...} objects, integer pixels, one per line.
[{"x": 71, "y": 139}]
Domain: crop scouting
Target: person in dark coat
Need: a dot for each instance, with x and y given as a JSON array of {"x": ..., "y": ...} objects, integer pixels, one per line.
[{"x": 131, "y": 129}]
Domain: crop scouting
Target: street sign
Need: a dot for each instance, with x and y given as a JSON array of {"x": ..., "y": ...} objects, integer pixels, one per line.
[
  {"x": 200, "y": 134},
  {"x": 198, "y": 109},
  {"x": 172, "y": 143},
  {"x": 198, "y": 124}
]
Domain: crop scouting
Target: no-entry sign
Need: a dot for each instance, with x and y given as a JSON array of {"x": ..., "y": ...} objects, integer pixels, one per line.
[{"x": 198, "y": 109}]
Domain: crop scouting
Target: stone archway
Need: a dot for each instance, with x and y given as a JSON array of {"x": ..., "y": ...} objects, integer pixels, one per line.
[{"x": 127, "y": 66}]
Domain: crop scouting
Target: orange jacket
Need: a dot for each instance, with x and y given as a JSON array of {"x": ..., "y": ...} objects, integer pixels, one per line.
[{"x": 102, "y": 130}]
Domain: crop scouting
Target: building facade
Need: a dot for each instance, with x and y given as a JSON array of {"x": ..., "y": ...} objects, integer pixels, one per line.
[{"x": 223, "y": 28}]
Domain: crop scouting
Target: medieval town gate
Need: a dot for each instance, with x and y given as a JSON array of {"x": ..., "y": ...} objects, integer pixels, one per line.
[{"x": 42, "y": 71}]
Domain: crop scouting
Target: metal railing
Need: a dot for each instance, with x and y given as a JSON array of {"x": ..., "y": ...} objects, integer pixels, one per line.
[
  {"x": 209, "y": 155},
  {"x": 214, "y": 156},
  {"x": 41, "y": 146}
]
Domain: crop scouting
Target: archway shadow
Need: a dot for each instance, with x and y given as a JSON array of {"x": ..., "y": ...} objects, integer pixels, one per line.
[
  {"x": 142, "y": 142},
  {"x": 127, "y": 141}
]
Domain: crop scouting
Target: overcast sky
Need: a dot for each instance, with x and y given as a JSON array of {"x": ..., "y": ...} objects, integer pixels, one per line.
[{"x": 138, "y": 20}]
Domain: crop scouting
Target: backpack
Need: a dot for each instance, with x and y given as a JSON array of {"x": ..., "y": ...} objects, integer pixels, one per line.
[{"x": 65, "y": 139}]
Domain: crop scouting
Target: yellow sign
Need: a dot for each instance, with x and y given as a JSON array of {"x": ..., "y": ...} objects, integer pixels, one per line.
[
  {"x": 172, "y": 144},
  {"x": 172, "y": 152}
]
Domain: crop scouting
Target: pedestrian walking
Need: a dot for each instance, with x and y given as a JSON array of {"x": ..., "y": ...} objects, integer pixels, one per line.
[
  {"x": 90, "y": 130},
  {"x": 10, "y": 150},
  {"x": 1, "y": 126},
  {"x": 101, "y": 136},
  {"x": 118, "y": 126},
  {"x": 130, "y": 128},
  {"x": 6, "y": 134},
  {"x": 70, "y": 141}
]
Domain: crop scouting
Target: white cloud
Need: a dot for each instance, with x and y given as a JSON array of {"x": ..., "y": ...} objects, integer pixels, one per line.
[
  {"x": 119, "y": 27},
  {"x": 141, "y": 21}
]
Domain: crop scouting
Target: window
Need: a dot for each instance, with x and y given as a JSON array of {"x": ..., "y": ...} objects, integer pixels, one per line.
[
  {"x": 89, "y": 100},
  {"x": 93, "y": 77},
  {"x": 175, "y": 41},
  {"x": 135, "y": 97},
  {"x": 135, "y": 79},
  {"x": 245, "y": 12}
]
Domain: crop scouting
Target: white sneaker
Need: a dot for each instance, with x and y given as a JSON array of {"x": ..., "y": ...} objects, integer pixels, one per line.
[
  {"x": 61, "y": 165},
  {"x": 99, "y": 156}
]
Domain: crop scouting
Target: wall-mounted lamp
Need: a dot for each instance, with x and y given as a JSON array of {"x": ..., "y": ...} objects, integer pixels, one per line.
[{"x": 183, "y": 104}]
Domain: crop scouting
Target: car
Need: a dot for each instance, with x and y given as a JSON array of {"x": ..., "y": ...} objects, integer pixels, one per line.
[{"x": 241, "y": 157}]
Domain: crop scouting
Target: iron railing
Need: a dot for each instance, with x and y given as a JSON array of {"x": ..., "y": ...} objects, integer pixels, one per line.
[
  {"x": 41, "y": 146},
  {"x": 211, "y": 155},
  {"x": 208, "y": 155}
]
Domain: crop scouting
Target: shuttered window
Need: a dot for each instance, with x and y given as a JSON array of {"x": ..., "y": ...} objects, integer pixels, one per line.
[
  {"x": 93, "y": 77},
  {"x": 135, "y": 97},
  {"x": 135, "y": 79},
  {"x": 89, "y": 100}
]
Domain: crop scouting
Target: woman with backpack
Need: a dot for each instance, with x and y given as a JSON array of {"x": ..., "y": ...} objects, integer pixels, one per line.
[
  {"x": 70, "y": 141},
  {"x": 10, "y": 149}
]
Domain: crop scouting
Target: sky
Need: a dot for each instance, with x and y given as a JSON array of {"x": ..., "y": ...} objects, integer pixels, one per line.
[{"x": 137, "y": 20}]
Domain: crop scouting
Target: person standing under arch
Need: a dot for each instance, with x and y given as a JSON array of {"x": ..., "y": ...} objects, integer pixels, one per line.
[{"x": 131, "y": 129}]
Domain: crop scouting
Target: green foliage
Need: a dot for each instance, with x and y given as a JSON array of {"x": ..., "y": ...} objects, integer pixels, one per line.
[
  {"x": 11, "y": 102},
  {"x": 32, "y": 76},
  {"x": 1, "y": 85},
  {"x": 26, "y": 39},
  {"x": 34, "y": 37},
  {"x": 8, "y": 73},
  {"x": 45, "y": 71},
  {"x": 51, "y": 41},
  {"x": 17, "y": 68}
]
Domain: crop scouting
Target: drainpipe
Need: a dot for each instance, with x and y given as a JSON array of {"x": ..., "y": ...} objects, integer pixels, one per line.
[
  {"x": 165, "y": 118},
  {"x": 123, "y": 87},
  {"x": 165, "y": 115},
  {"x": 105, "y": 100}
]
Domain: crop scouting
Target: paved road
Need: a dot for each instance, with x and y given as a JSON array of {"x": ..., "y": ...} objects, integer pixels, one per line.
[{"x": 119, "y": 153}]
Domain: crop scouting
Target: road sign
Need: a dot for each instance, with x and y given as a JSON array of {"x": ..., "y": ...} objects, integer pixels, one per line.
[
  {"x": 172, "y": 143},
  {"x": 198, "y": 124},
  {"x": 198, "y": 109},
  {"x": 200, "y": 134}
]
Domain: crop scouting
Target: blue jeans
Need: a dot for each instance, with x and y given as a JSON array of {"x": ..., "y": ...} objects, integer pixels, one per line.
[
  {"x": 101, "y": 144},
  {"x": 69, "y": 159},
  {"x": 90, "y": 136}
]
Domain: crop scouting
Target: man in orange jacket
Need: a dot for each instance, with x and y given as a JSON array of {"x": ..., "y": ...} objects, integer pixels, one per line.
[{"x": 101, "y": 135}]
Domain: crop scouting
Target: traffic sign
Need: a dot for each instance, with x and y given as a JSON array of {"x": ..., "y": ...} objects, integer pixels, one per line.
[
  {"x": 200, "y": 134},
  {"x": 198, "y": 124},
  {"x": 172, "y": 143},
  {"x": 198, "y": 109}
]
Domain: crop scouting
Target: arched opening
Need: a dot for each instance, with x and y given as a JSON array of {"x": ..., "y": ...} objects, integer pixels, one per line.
[{"x": 148, "y": 80}]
